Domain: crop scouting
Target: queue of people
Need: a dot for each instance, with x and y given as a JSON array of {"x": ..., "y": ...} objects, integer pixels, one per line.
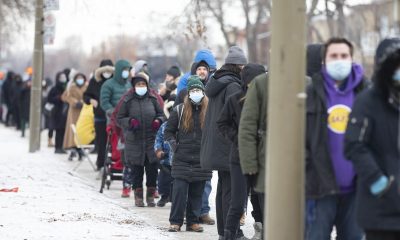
[{"x": 215, "y": 119}]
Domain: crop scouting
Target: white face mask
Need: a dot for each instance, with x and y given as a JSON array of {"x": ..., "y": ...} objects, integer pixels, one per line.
[
  {"x": 125, "y": 74},
  {"x": 107, "y": 75},
  {"x": 196, "y": 97},
  {"x": 141, "y": 91},
  {"x": 80, "y": 81}
]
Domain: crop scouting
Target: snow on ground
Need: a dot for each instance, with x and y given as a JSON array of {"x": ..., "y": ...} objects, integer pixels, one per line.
[{"x": 55, "y": 203}]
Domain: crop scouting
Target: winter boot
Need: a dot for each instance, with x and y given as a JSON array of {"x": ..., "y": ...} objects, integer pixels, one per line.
[
  {"x": 194, "y": 228},
  {"x": 150, "y": 196},
  {"x": 206, "y": 219},
  {"x": 139, "y": 197},
  {"x": 164, "y": 200},
  {"x": 258, "y": 232},
  {"x": 126, "y": 192}
]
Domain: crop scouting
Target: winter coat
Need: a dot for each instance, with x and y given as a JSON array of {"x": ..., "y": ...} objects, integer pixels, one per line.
[
  {"x": 24, "y": 99},
  {"x": 228, "y": 123},
  {"x": 320, "y": 176},
  {"x": 7, "y": 89},
  {"x": 371, "y": 143},
  {"x": 59, "y": 112},
  {"x": 72, "y": 96},
  {"x": 214, "y": 147},
  {"x": 113, "y": 89},
  {"x": 93, "y": 91},
  {"x": 161, "y": 144},
  {"x": 186, "y": 145},
  {"x": 252, "y": 131},
  {"x": 139, "y": 143}
]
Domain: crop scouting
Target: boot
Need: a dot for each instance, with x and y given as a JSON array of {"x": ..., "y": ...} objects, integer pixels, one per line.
[
  {"x": 126, "y": 192},
  {"x": 150, "y": 196},
  {"x": 139, "y": 197},
  {"x": 164, "y": 200},
  {"x": 258, "y": 232},
  {"x": 206, "y": 219},
  {"x": 50, "y": 143},
  {"x": 194, "y": 228}
]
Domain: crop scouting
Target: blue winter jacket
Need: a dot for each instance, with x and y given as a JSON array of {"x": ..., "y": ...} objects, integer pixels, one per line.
[{"x": 160, "y": 144}]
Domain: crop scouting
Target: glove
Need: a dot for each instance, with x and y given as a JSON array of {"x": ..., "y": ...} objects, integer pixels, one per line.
[
  {"x": 155, "y": 125},
  {"x": 135, "y": 124},
  {"x": 380, "y": 186},
  {"x": 78, "y": 105}
]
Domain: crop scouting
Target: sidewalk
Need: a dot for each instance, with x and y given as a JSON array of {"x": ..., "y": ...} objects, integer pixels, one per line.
[{"x": 55, "y": 203}]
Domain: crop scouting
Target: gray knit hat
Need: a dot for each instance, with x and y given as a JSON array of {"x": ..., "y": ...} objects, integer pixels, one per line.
[{"x": 236, "y": 56}]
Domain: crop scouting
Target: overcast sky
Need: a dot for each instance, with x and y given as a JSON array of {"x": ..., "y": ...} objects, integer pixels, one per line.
[{"x": 96, "y": 20}]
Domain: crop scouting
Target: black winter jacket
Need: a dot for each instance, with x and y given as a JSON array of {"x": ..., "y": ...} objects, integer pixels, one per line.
[
  {"x": 140, "y": 142},
  {"x": 186, "y": 161},
  {"x": 58, "y": 117},
  {"x": 93, "y": 92},
  {"x": 372, "y": 144},
  {"x": 214, "y": 147},
  {"x": 228, "y": 123},
  {"x": 320, "y": 176}
]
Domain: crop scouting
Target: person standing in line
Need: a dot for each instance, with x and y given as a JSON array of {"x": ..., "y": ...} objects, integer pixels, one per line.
[
  {"x": 330, "y": 178},
  {"x": 92, "y": 96},
  {"x": 214, "y": 147},
  {"x": 140, "y": 116},
  {"x": 184, "y": 133},
  {"x": 372, "y": 145}
]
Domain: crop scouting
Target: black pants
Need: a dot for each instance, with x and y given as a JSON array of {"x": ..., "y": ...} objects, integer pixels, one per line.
[
  {"x": 151, "y": 174},
  {"x": 223, "y": 200},
  {"x": 186, "y": 195},
  {"x": 59, "y": 138},
  {"x": 238, "y": 199},
  {"x": 382, "y": 235},
  {"x": 257, "y": 213},
  {"x": 50, "y": 133},
  {"x": 101, "y": 142},
  {"x": 165, "y": 180}
]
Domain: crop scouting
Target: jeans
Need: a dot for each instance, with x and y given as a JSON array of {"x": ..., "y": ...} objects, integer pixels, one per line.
[
  {"x": 205, "y": 206},
  {"x": 151, "y": 174},
  {"x": 165, "y": 181},
  {"x": 336, "y": 210},
  {"x": 127, "y": 177},
  {"x": 186, "y": 195},
  {"x": 238, "y": 199},
  {"x": 223, "y": 200}
]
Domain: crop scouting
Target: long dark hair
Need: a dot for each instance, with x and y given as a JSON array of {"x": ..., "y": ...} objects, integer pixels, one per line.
[{"x": 187, "y": 117}]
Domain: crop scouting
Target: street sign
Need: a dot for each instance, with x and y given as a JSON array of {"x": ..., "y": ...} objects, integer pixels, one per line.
[
  {"x": 49, "y": 28},
  {"x": 49, "y": 20},
  {"x": 51, "y": 5}
]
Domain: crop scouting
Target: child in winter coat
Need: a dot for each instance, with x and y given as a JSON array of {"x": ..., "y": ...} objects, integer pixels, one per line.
[
  {"x": 140, "y": 116},
  {"x": 183, "y": 133},
  {"x": 162, "y": 150}
]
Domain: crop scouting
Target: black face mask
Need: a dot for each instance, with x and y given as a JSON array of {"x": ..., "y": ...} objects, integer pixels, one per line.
[{"x": 170, "y": 85}]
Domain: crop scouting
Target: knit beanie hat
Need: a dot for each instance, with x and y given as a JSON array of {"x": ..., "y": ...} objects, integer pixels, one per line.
[
  {"x": 236, "y": 56},
  {"x": 194, "y": 81},
  {"x": 140, "y": 77},
  {"x": 174, "y": 71},
  {"x": 106, "y": 62},
  {"x": 250, "y": 71}
]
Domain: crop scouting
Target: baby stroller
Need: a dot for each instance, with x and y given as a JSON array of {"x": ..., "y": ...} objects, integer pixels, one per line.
[{"x": 113, "y": 166}]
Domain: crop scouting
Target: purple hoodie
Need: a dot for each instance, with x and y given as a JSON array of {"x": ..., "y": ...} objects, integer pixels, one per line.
[{"x": 339, "y": 102}]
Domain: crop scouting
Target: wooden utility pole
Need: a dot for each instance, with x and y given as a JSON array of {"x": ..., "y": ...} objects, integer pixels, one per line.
[
  {"x": 36, "y": 90},
  {"x": 286, "y": 113}
]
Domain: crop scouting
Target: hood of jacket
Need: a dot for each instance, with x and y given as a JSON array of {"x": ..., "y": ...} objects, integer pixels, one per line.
[
  {"x": 220, "y": 80},
  {"x": 98, "y": 73},
  {"x": 207, "y": 56},
  {"x": 119, "y": 66}
]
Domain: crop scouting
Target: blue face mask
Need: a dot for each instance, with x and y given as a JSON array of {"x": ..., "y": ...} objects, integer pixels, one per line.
[
  {"x": 80, "y": 81},
  {"x": 125, "y": 74},
  {"x": 339, "y": 70},
  {"x": 196, "y": 97},
  {"x": 141, "y": 91},
  {"x": 396, "y": 77}
]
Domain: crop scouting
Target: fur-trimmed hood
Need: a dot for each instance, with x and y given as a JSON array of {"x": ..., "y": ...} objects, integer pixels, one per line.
[{"x": 101, "y": 70}]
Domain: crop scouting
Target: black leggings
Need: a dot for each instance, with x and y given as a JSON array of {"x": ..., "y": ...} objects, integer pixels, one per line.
[
  {"x": 382, "y": 235},
  {"x": 101, "y": 142}
]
